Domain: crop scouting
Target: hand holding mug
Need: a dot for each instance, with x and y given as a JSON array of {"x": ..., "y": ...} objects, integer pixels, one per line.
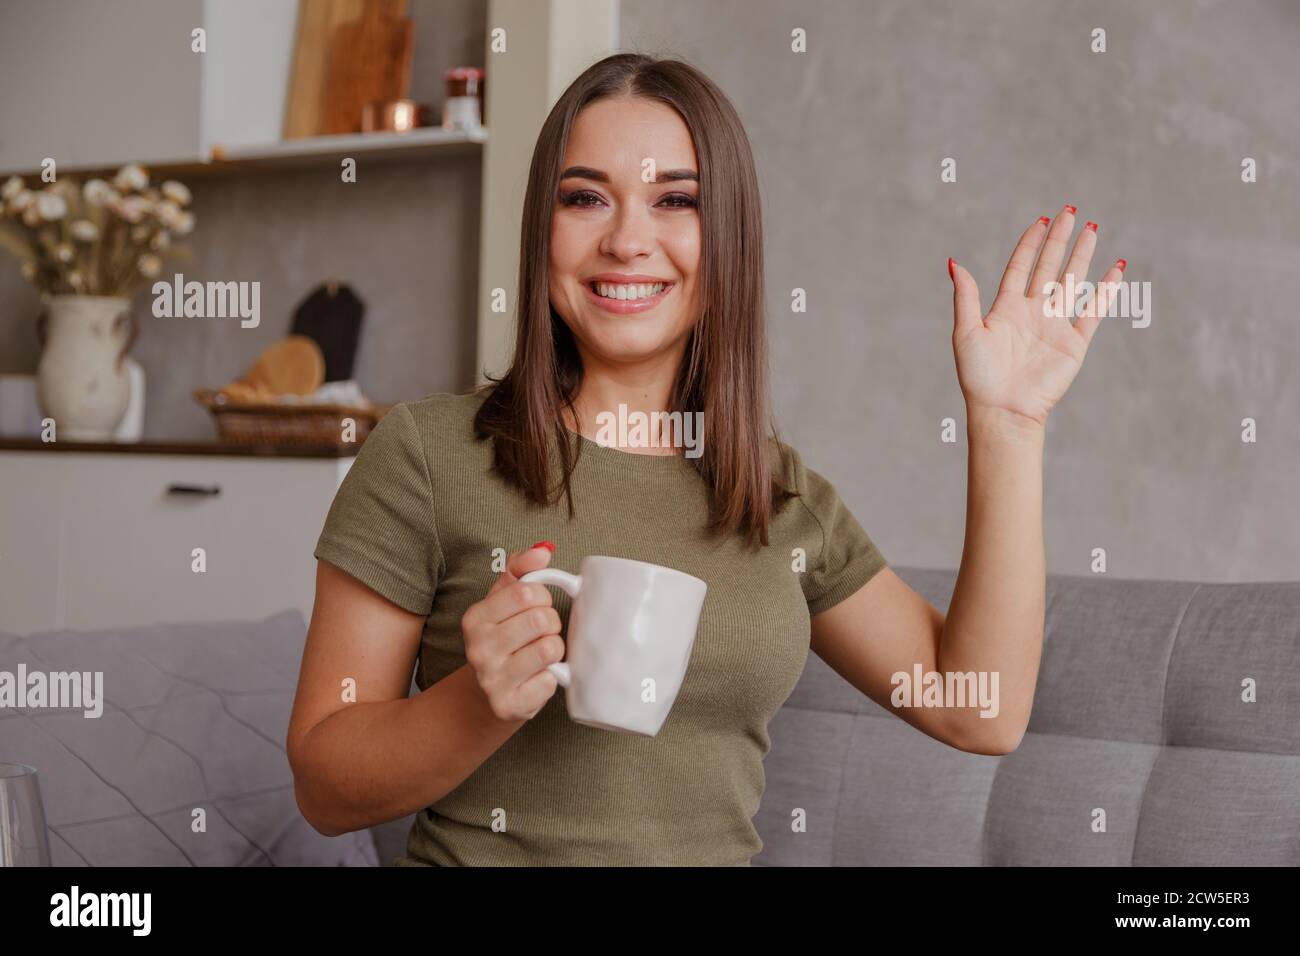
[{"x": 511, "y": 636}]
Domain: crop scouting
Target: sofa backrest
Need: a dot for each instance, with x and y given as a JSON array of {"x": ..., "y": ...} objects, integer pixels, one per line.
[{"x": 1143, "y": 747}]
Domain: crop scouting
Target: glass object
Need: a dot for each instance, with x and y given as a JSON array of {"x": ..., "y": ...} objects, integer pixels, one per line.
[
  {"x": 24, "y": 840},
  {"x": 463, "y": 107}
]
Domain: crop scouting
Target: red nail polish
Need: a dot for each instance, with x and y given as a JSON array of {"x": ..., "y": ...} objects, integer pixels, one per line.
[
  {"x": 951, "y": 274},
  {"x": 1070, "y": 209},
  {"x": 1044, "y": 219},
  {"x": 1090, "y": 225},
  {"x": 545, "y": 544},
  {"x": 1122, "y": 263}
]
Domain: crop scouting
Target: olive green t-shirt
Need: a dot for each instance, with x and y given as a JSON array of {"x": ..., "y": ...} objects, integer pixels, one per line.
[{"x": 422, "y": 519}]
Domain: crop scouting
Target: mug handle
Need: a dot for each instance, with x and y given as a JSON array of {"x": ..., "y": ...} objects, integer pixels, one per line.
[{"x": 571, "y": 584}]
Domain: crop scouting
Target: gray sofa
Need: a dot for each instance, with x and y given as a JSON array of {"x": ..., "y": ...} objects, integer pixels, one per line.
[
  {"x": 1138, "y": 715},
  {"x": 1141, "y": 749}
]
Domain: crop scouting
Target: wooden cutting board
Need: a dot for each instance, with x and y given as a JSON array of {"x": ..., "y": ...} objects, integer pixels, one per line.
[
  {"x": 317, "y": 21},
  {"x": 304, "y": 113},
  {"x": 369, "y": 59}
]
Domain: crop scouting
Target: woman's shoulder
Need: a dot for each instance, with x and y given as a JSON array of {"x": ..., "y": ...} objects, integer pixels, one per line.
[
  {"x": 787, "y": 465},
  {"x": 443, "y": 419},
  {"x": 446, "y": 405},
  {"x": 436, "y": 432}
]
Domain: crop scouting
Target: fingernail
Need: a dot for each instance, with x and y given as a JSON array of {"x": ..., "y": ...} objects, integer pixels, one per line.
[
  {"x": 1070, "y": 209},
  {"x": 545, "y": 544},
  {"x": 1044, "y": 219},
  {"x": 1090, "y": 225},
  {"x": 1122, "y": 263},
  {"x": 951, "y": 274}
]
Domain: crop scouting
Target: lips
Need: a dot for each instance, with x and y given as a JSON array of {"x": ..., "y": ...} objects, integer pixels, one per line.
[
  {"x": 631, "y": 287},
  {"x": 627, "y": 290}
]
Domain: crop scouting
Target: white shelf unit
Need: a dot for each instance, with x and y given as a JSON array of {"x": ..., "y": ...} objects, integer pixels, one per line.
[{"x": 432, "y": 143}]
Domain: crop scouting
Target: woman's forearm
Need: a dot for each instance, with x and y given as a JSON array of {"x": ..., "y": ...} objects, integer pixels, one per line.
[
  {"x": 373, "y": 762},
  {"x": 995, "y": 618}
]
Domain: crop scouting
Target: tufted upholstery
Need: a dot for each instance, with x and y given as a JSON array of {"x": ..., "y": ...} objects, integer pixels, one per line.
[
  {"x": 194, "y": 717},
  {"x": 1138, "y": 711}
]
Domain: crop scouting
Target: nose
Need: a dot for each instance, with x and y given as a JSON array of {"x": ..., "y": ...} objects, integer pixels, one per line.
[{"x": 630, "y": 234}]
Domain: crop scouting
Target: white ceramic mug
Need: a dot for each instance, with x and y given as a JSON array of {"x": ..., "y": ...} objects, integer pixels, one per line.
[{"x": 631, "y": 629}]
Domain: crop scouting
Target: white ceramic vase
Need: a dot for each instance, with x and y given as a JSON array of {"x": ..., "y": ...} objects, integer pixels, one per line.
[{"x": 82, "y": 380}]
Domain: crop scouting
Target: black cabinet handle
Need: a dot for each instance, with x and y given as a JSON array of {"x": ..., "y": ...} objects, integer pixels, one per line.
[{"x": 179, "y": 489}]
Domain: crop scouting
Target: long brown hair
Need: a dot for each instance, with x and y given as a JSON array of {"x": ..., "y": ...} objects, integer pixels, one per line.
[{"x": 723, "y": 373}]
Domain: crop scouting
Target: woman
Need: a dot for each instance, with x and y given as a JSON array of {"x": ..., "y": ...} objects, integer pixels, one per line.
[{"x": 641, "y": 285}]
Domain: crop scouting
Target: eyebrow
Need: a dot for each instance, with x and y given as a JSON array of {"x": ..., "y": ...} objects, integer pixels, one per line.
[{"x": 664, "y": 175}]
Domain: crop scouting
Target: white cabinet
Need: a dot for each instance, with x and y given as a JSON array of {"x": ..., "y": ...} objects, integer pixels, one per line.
[
  {"x": 29, "y": 544},
  {"x": 95, "y": 85},
  {"x": 103, "y": 539}
]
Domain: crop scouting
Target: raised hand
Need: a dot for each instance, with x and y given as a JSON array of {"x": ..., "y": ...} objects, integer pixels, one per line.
[{"x": 1019, "y": 359}]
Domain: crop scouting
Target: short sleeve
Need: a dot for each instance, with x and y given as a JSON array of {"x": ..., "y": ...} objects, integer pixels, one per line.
[
  {"x": 380, "y": 527},
  {"x": 848, "y": 557}
]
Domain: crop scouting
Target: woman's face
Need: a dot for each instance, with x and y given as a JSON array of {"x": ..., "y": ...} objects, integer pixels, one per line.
[{"x": 625, "y": 253}]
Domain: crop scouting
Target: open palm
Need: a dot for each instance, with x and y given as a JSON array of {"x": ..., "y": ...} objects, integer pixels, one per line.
[{"x": 1022, "y": 356}]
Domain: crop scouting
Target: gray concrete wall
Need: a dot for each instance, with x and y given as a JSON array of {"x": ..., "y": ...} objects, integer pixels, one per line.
[{"x": 1144, "y": 456}]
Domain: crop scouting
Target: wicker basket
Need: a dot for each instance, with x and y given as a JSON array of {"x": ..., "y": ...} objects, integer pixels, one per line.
[{"x": 287, "y": 425}]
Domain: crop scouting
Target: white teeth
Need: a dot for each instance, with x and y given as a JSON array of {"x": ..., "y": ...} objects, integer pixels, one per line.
[{"x": 624, "y": 291}]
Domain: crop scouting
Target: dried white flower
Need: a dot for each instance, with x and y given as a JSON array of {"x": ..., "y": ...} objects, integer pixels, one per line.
[
  {"x": 130, "y": 208},
  {"x": 161, "y": 241},
  {"x": 177, "y": 192},
  {"x": 98, "y": 192},
  {"x": 21, "y": 201},
  {"x": 140, "y": 233},
  {"x": 31, "y": 216},
  {"x": 51, "y": 207},
  {"x": 12, "y": 187},
  {"x": 131, "y": 176},
  {"x": 150, "y": 265},
  {"x": 83, "y": 230},
  {"x": 186, "y": 224},
  {"x": 169, "y": 213},
  {"x": 75, "y": 280},
  {"x": 64, "y": 252}
]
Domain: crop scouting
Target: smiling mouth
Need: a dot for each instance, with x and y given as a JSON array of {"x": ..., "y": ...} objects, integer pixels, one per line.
[{"x": 628, "y": 291}]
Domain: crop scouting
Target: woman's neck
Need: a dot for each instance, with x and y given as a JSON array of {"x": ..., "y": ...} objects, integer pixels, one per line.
[{"x": 620, "y": 410}]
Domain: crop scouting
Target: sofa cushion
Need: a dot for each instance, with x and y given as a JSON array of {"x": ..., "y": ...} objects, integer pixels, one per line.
[
  {"x": 1139, "y": 723},
  {"x": 194, "y": 718}
]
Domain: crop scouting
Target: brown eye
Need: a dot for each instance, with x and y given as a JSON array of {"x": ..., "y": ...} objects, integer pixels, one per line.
[
  {"x": 579, "y": 197},
  {"x": 678, "y": 201}
]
